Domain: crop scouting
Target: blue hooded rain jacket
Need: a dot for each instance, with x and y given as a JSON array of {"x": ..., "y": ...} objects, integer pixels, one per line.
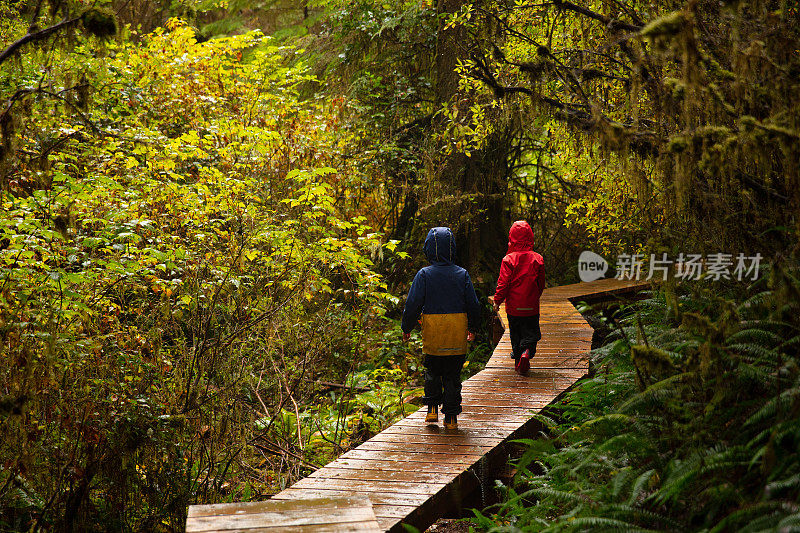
[{"x": 443, "y": 294}]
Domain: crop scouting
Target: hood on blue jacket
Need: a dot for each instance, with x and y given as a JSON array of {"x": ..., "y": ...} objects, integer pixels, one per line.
[{"x": 440, "y": 245}]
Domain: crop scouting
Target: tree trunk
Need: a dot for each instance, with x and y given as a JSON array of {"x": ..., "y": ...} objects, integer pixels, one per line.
[{"x": 479, "y": 180}]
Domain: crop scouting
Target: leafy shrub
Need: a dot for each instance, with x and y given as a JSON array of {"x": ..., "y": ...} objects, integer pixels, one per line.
[{"x": 176, "y": 263}]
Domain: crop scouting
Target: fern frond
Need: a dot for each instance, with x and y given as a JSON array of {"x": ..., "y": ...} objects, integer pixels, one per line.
[
  {"x": 681, "y": 473},
  {"x": 599, "y": 523},
  {"x": 755, "y": 374},
  {"x": 794, "y": 342},
  {"x": 761, "y": 436},
  {"x": 721, "y": 457},
  {"x": 546, "y": 420},
  {"x": 761, "y": 336},
  {"x": 747, "y": 515},
  {"x": 756, "y": 351},
  {"x": 628, "y": 511},
  {"x": 757, "y": 300},
  {"x": 761, "y": 323},
  {"x": 626, "y": 442},
  {"x": 639, "y": 485},
  {"x": 620, "y": 480},
  {"x": 783, "y": 484},
  {"x": 762, "y": 524},
  {"x": 770, "y": 408},
  {"x": 790, "y": 523},
  {"x": 651, "y": 303},
  {"x": 612, "y": 419},
  {"x": 656, "y": 393}
]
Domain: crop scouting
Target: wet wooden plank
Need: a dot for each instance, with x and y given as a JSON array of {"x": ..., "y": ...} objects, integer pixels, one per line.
[
  {"x": 379, "y": 474},
  {"x": 375, "y": 486},
  {"x": 535, "y": 376},
  {"x": 517, "y": 407},
  {"x": 440, "y": 466},
  {"x": 566, "y": 360},
  {"x": 455, "y": 437},
  {"x": 522, "y": 393},
  {"x": 393, "y": 511},
  {"x": 432, "y": 448},
  {"x": 477, "y": 411},
  {"x": 355, "y": 527},
  {"x": 317, "y": 514},
  {"x": 414, "y": 457},
  {"x": 471, "y": 420},
  {"x": 379, "y": 498},
  {"x": 468, "y": 421},
  {"x": 468, "y": 430}
]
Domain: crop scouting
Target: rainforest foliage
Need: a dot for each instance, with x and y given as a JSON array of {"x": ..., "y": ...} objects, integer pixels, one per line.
[
  {"x": 691, "y": 422},
  {"x": 211, "y": 210}
]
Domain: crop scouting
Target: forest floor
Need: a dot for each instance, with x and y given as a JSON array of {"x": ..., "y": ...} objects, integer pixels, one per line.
[{"x": 449, "y": 525}]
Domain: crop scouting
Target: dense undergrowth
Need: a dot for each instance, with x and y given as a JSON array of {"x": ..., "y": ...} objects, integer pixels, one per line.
[
  {"x": 690, "y": 422},
  {"x": 190, "y": 307}
]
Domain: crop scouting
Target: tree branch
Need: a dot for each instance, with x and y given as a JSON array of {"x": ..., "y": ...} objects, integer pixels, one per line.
[
  {"x": 608, "y": 21},
  {"x": 35, "y": 36}
]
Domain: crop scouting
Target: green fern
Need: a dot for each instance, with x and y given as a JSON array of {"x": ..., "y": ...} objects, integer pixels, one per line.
[
  {"x": 642, "y": 515},
  {"x": 757, "y": 352},
  {"x": 599, "y": 523},
  {"x": 770, "y": 410},
  {"x": 782, "y": 485},
  {"x": 557, "y": 495},
  {"x": 758, "y": 335},
  {"x": 710, "y": 444},
  {"x": 747, "y": 515},
  {"x": 638, "y": 487},
  {"x": 790, "y": 523}
]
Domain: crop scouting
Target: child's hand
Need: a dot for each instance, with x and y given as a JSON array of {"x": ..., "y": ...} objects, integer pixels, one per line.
[
  {"x": 406, "y": 336},
  {"x": 470, "y": 336}
]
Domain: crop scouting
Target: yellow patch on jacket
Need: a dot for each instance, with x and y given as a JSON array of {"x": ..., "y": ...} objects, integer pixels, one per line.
[{"x": 444, "y": 334}]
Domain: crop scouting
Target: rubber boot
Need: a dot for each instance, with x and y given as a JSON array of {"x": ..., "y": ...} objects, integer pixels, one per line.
[
  {"x": 433, "y": 414},
  {"x": 524, "y": 363},
  {"x": 450, "y": 422}
]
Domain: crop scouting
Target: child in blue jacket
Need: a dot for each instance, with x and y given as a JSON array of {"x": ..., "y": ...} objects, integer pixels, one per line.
[{"x": 443, "y": 294}]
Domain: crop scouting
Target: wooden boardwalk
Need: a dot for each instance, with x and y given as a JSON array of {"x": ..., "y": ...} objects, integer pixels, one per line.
[{"x": 415, "y": 473}]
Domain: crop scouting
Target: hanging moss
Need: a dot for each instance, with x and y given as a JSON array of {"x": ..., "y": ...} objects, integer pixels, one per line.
[
  {"x": 712, "y": 132},
  {"x": 671, "y": 24},
  {"x": 677, "y": 144},
  {"x": 676, "y": 87},
  {"x": 747, "y": 122},
  {"x": 534, "y": 69},
  {"x": 652, "y": 364}
]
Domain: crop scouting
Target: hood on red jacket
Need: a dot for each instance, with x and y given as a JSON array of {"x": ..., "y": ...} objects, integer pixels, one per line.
[{"x": 520, "y": 237}]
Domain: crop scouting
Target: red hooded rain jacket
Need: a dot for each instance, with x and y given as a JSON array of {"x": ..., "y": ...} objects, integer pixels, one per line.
[{"x": 521, "y": 280}]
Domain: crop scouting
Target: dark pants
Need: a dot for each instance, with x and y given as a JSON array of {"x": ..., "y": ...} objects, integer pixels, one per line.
[
  {"x": 525, "y": 334},
  {"x": 443, "y": 382}
]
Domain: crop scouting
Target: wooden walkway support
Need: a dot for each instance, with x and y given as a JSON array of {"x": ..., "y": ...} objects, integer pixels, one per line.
[{"x": 415, "y": 473}]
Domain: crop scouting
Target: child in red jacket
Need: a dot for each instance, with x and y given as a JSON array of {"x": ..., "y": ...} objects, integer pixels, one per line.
[{"x": 520, "y": 285}]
